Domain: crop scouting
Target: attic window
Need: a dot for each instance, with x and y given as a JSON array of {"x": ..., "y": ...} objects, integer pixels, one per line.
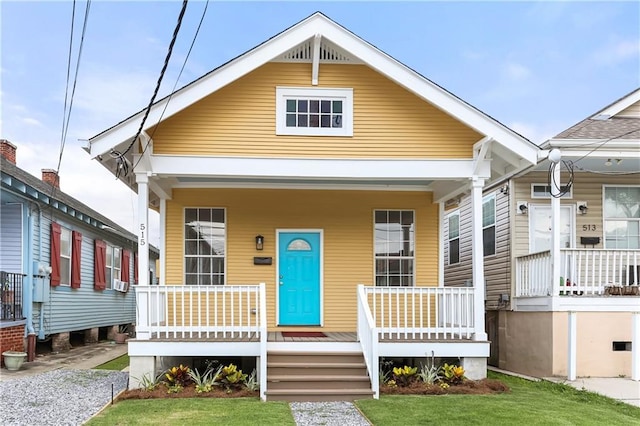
[{"x": 314, "y": 111}]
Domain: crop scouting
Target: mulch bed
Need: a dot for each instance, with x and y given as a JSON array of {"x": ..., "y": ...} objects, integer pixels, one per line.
[
  {"x": 187, "y": 392},
  {"x": 468, "y": 387}
]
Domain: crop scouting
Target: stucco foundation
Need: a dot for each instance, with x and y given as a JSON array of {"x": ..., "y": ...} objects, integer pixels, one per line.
[
  {"x": 139, "y": 368},
  {"x": 536, "y": 343}
]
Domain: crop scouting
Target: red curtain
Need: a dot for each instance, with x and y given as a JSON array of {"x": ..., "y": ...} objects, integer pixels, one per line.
[
  {"x": 76, "y": 256},
  {"x": 56, "y": 231},
  {"x": 99, "y": 270}
]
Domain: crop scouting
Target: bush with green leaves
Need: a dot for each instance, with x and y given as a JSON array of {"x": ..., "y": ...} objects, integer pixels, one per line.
[
  {"x": 178, "y": 376},
  {"x": 231, "y": 378},
  {"x": 148, "y": 383},
  {"x": 252, "y": 383},
  {"x": 430, "y": 372},
  {"x": 452, "y": 374},
  {"x": 405, "y": 376},
  {"x": 206, "y": 381}
]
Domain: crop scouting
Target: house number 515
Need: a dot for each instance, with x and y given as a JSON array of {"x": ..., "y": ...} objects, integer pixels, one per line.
[
  {"x": 142, "y": 228},
  {"x": 588, "y": 227}
]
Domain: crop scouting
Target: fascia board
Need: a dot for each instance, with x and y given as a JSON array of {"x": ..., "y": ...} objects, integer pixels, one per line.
[{"x": 318, "y": 168}]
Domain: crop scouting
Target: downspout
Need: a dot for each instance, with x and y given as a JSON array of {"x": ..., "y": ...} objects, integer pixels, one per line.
[{"x": 27, "y": 290}]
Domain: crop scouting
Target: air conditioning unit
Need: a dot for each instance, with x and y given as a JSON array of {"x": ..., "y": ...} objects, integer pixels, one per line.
[{"x": 121, "y": 286}]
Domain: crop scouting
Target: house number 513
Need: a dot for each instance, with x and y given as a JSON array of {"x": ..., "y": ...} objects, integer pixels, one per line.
[
  {"x": 142, "y": 229},
  {"x": 588, "y": 227}
]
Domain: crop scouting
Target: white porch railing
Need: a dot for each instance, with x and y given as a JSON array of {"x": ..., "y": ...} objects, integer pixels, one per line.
[
  {"x": 583, "y": 272},
  {"x": 368, "y": 338}
]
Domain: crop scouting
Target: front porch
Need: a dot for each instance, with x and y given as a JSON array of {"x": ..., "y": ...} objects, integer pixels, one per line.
[
  {"x": 594, "y": 283},
  {"x": 406, "y": 322}
]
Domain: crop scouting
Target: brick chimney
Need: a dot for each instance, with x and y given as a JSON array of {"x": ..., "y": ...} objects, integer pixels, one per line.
[
  {"x": 51, "y": 177},
  {"x": 8, "y": 150}
]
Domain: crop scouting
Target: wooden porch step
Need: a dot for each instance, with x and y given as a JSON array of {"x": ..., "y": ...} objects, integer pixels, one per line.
[
  {"x": 313, "y": 395},
  {"x": 318, "y": 382},
  {"x": 314, "y": 376}
]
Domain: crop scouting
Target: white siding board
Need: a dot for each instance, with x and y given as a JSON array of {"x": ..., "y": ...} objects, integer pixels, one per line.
[{"x": 11, "y": 230}]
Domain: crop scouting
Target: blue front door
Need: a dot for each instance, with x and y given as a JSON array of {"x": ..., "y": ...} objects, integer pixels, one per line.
[{"x": 299, "y": 278}]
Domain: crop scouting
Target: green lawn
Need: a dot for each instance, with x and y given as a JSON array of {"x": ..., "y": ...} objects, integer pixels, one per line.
[
  {"x": 195, "y": 411},
  {"x": 528, "y": 403},
  {"x": 115, "y": 364}
]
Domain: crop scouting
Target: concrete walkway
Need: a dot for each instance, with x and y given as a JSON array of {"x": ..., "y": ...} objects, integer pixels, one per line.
[
  {"x": 620, "y": 388},
  {"x": 79, "y": 358}
]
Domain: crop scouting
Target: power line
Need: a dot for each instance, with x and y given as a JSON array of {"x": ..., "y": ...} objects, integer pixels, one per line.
[
  {"x": 120, "y": 159},
  {"x": 204, "y": 12}
]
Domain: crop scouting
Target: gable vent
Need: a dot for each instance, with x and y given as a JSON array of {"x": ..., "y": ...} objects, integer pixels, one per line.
[{"x": 329, "y": 53}]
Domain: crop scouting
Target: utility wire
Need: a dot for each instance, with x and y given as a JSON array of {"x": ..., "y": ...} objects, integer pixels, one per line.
[
  {"x": 204, "y": 12},
  {"x": 75, "y": 81},
  {"x": 66, "y": 90},
  {"x": 120, "y": 157}
]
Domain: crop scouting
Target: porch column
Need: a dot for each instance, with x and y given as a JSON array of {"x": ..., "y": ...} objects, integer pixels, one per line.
[
  {"x": 143, "y": 224},
  {"x": 572, "y": 348},
  {"x": 477, "y": 258},
  {"x": 555, "y": 188},
  {"x": 635, "y": 346}
]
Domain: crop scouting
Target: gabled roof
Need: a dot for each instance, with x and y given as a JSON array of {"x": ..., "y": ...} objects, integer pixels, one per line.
[
  {"x": 120, "y": 136},
  {"x": 619, "y": 120}
]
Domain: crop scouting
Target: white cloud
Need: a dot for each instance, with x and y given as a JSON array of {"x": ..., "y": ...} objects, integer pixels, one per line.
[
  {"x": 535, "y": 133},
  {"x": 516, "y": 72},
  {"x": 30, "y": 121},
  {"x": 616, "y": 51}
]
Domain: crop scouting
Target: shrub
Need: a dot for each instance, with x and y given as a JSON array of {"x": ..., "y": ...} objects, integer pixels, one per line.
[
  {"x": 404, "y": 376},
  {"x": 231, "y": 378},
  {"x": 147, "y": 383},
  {"x": 178, "y": 376},
  {"x": 252, "y": 382},
  {"x": 204, "y": 382},
  {"x": 453, "y": 374}
]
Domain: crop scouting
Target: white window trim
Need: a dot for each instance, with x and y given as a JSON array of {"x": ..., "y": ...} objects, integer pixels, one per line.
[
  {"x": 114, "y": 276},
  {"x": 413, "y": 258},
  {"x": 449, "y": 239},
  {"x": 568, "y": 195},
  {"x": 343, "y": 94},
  {"x": 184, "y": 238},
  {"x": 69, "y": 257},
  {"x": 605, "y": 218},
  {"x": 495, "y": 230}
]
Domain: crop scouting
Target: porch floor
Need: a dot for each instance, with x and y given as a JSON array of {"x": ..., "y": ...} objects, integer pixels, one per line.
[{"x": 340, "y": 336}]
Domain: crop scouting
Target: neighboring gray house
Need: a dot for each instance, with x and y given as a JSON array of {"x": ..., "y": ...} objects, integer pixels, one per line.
[
  {"x": 65, "y": 268},
  {"x": 586, "y": 321}
]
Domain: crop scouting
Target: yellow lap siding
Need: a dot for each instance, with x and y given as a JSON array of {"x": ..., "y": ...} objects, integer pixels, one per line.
[
  {"x": 346, "y": 218},
  {"x": 240, "y": 120}
]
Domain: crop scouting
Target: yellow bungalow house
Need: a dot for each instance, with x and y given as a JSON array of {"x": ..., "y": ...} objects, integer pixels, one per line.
[{"x": 301, "y": 190}]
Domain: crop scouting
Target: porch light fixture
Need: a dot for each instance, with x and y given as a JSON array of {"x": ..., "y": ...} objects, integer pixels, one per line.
[
  {"x": 259, "y": 242},
  {"x": 582, "y": 207},
  {"x": 523, "y": 207}
]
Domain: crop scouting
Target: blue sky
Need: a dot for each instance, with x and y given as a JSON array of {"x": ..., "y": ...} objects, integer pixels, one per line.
[{"x": 537, "y": 67}]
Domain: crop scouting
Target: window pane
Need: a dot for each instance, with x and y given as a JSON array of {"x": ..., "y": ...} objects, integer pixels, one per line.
[
  {"x": 191, "y": 279},
  {"x": 302, "y": 120},
  {"x": 325, "y": 106},
  {"x": 337, "y": 107},
  {"x": 116, "y": 258},
  {"x": 65, "y": 271},
  {"x": 191, "y": 265},
  {"x": 454, "y": 226},
  {"x": 218, "y": 265},
  {"x": 302, "y": 106},
  {"x": 314, "y": 106},
  {"x": 190, "y": 247},
  {"x": 325, "y": 121},
  {"x": 109, "y": 257},
  {"x": 291, "y": 105},
  {"x": 488, "y": 212},
  {"x": 291, "y": 120},
  {"x": 190, "y": 215},
  {"x": 65, "y": 242},
  {"x": 454, "y": 254},
  {"x": 337, "y": 121},
  {"x": 489, "y": 240},
  {"x": 314, "y": 120},
  {"x": 204, "y": 279}
]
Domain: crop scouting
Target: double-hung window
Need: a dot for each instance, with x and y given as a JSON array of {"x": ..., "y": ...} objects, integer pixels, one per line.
[
  {"x": 204, "y": 246},
  {"x": 622, "y": 217},
  {"x": 314, "y": 111},
  {"x": 394, "y": 233},
  {"x": 489, "y": 225},
  {"x": 66, "y": 254},
  {"x": 113, "y": 265},
  {"x": 454, "y": 238}
]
